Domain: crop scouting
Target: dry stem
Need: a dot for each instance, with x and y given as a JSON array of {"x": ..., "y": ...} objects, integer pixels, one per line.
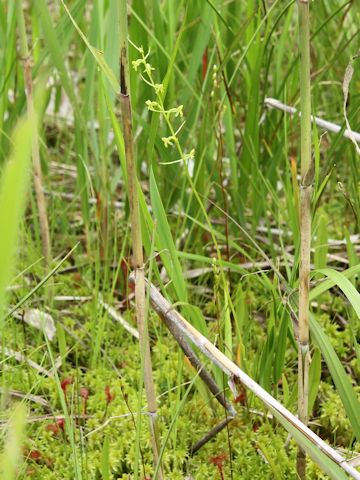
[
  {"x": 307, "y": 175},
  {"x": 38, "y": 183},
  {"x": 136, "y": 236}
]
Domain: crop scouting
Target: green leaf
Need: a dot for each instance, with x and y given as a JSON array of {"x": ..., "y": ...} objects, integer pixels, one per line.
[
  {"x": 11, "y": 457},
  {"x": 228, "y": 333},
  {"x": 314, "y": 378},
  {"x": 342, "y": 382},
  {"x": 345, "y": 285},
  {"x": 165, "y": 242},
  {"x": 54, "y": 47},
  {"x": 14, "y": 184},
  {"x": 321, "y": 243},
  {"x": 169, "y": 255},
  {"x": 281, "y": 347},
  {"x": 97, "y": 54},
  {"x": 351, "y": 251},
  {"x": 327, "y": 284},
  {"x": 105, "y": 463},
  {"x": 118, "y": 136},
  {"x": 40, "y": 284}
]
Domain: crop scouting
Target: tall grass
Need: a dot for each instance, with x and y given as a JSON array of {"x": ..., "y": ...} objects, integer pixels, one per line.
[
  {"x": 213, "y": 208},
  {"x": 38, "y": 183},
  {"x": 13, "y": 189}
]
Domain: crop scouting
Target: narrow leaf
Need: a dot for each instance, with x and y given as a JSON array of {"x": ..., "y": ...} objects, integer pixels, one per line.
[
  {"x": 342, "y": 382},
  {"x": 345, "y": 285},
  {"x": 13, "y": 187}
]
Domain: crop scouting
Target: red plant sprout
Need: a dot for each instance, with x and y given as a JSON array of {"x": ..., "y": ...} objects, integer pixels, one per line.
[
  {"x": 61, "y": 424},
  {"x": 35, "y": 455},
  {"x": 84, "y": 393},
  {"x": 218, "y": 461},
  {"x": 56, "y": 427},
  {"x": 52, "y": 427},
  {"x": 109, "y": 396},
  {"x": 124, "y": 265},
  {"x": 240, "y": 399},
  {"x": 64, "y": 385},
  {"x": 255, "y": 426}
]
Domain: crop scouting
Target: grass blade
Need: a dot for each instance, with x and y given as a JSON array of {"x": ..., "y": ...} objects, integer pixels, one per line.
[
  {"x": 342, "y": 382},
  {"x": 345, "y": 285},
  {"x": 13, "y": 188},
  {"x": 329, "y": 283},
  {"x": 165, "y": 242}
]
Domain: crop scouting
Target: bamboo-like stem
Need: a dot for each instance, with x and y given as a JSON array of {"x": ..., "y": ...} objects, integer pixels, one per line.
[
  {"x": 136, "y": 236},
  {"x": 38, "y": 183},
  {"x": 307, "y": 176}
]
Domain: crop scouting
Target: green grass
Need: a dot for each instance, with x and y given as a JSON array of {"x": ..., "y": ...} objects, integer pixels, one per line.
[{"x": 219, "y": 197}]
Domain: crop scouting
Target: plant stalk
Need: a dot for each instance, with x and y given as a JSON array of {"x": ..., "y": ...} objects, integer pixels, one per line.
[
  {"x": 307, "y": 177},
  {"x": 37, "y": 174},
  {"x": 136, "y": 236}
]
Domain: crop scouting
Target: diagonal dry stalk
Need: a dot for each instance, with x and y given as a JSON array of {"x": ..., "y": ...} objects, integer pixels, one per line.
[
  {"x": 203, "y": 374},
  {"x": 136, "y": 236},
  {"x": 307, "y": 176},
  {"x": 38, "y": 184}
]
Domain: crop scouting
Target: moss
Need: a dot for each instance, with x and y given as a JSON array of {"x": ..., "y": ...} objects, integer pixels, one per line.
[{"x": 334, "y": 423}]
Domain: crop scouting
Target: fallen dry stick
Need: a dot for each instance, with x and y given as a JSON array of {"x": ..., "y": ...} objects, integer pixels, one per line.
[
  {"x": 26, "y": 396},
  {"x": 326, "y": 125},
  {"x": 21, "y": 358},
  {"x": 118, "y": 318}
]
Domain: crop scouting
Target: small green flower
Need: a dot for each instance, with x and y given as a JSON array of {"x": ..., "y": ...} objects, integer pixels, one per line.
[
  {"x": 159, "y": 88},
  {"x": 168, "y": 140},
  {"x": 136, "y": 63},
  {"x": 178, "y": 111},
  {"x": 148, "y": 68},
  {"x": 153, "y": 106}
]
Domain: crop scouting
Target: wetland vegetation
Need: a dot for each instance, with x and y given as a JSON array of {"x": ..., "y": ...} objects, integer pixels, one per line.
[{"x": 143, "y": 136}]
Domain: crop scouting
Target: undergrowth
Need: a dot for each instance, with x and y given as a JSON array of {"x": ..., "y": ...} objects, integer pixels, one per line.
[{"x": 219, "y": 198}]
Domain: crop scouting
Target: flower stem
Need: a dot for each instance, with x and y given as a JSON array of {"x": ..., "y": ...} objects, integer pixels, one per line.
[
  {"x": 38, "y": 183},
  {"x": 136, "y": 236},
  {"x": 307, "y": 176}
]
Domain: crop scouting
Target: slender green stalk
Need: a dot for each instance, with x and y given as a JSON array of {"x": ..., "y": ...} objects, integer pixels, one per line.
[
  {"x": 38, "y": 183},
  {"x": 307, "y": 176},
  {"x": 12, "y": 454},
  {"x": 136, "y": 236}
]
